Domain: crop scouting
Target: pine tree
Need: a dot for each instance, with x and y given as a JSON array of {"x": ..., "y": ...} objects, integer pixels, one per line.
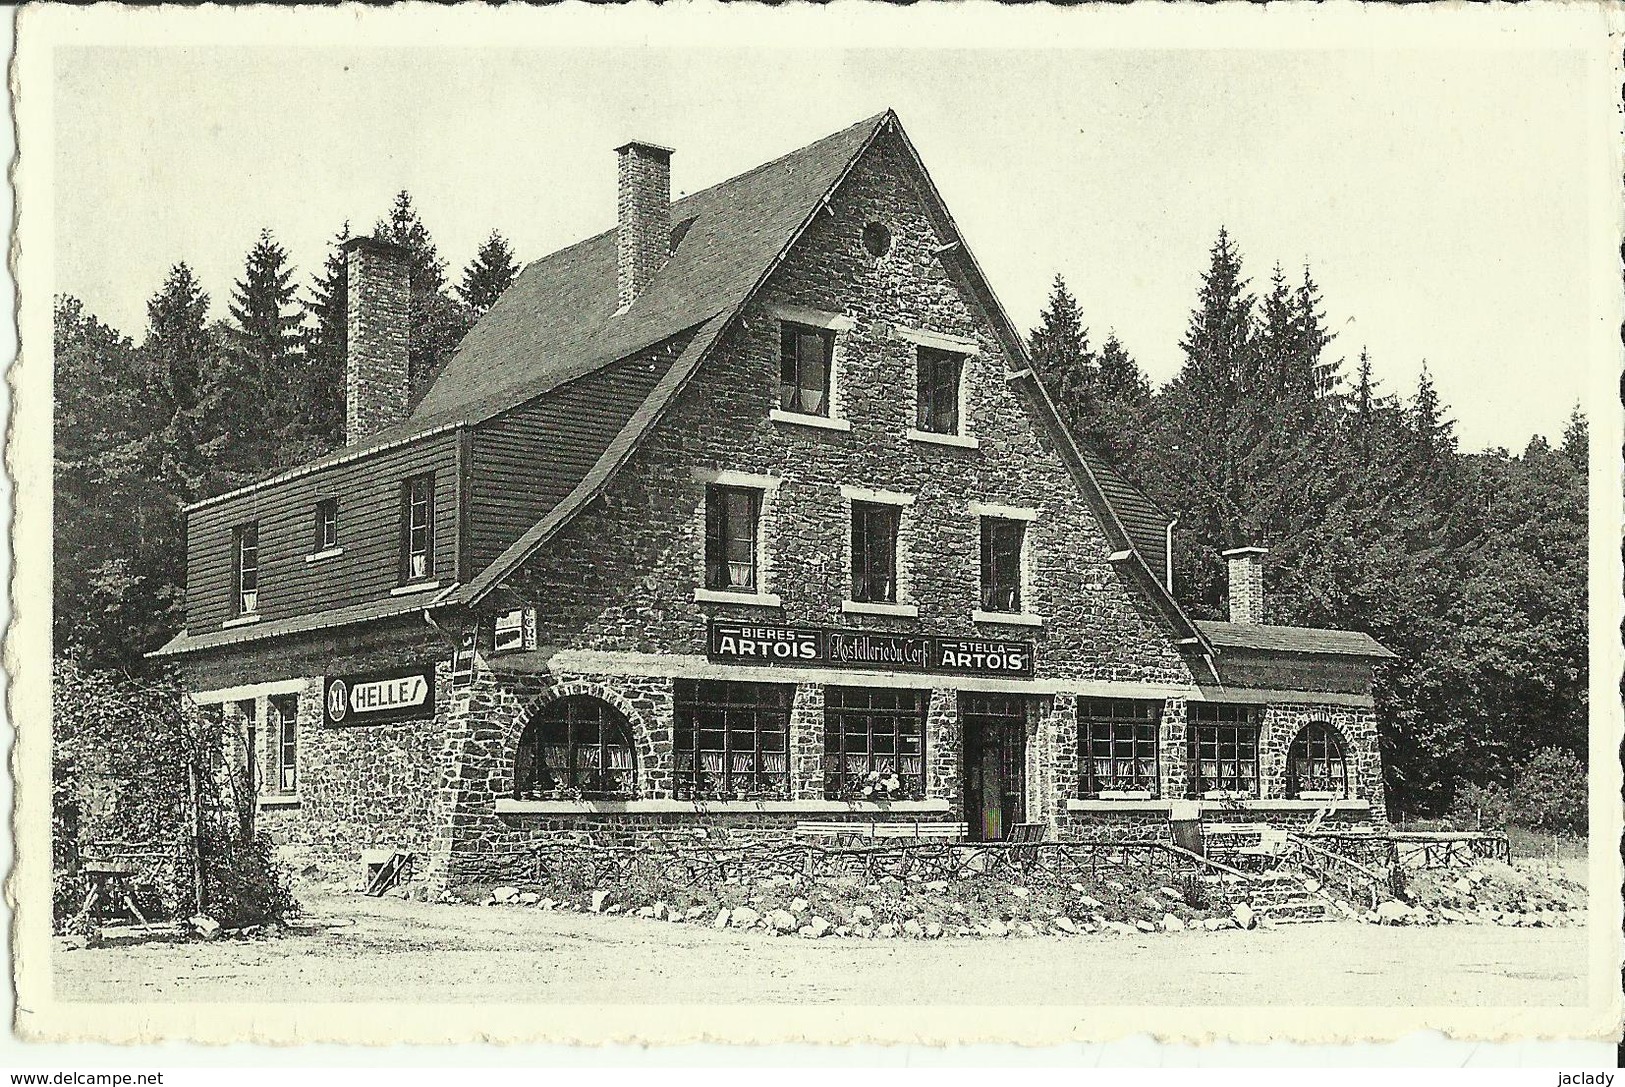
[
  {"x": 488, "y": 274},
  {"x": 327, "y": 337},
  {"x": 1121, "y": 406},
  {"x": 1060, "y": 352},
  {"x": 259, "y": 386},
  {"x": 438, "y": 322},
  {"x": 1313, "y": 374},
  {"x": 177, "y": 346}
]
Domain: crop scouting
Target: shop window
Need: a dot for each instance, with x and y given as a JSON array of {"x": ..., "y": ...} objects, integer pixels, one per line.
[
  {"x": 327, "y": 525},
  {"x": 732, "y": 740},
  {"x": 1223, "y": 747},
  {"x": 1002, "y": 541},
  {"x": 874, "y": 552},
  {"x": 1119, "y": 745},
  {"x": 417, "y": 529},
  {"x": 1316, "y": 766},
  {"x": 575, "y": 748},
  {"x": 874, "y": 744},
  {"x": 805, "y": 354},
  {"x": 246, "y": 569},
  {"x": 731, "y": 517},
  {"x": 937, "y": 376},
  {"x": 283, "y": 729}
]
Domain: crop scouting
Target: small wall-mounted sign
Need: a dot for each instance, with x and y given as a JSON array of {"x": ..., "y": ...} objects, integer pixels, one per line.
[
  {"x": 371, "y": 698},
  {"x": 771, "y": 643},
  {"x": 514, "y": 630}
]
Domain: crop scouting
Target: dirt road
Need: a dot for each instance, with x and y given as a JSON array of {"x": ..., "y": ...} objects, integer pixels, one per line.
[{"x": 363, "y": 949}]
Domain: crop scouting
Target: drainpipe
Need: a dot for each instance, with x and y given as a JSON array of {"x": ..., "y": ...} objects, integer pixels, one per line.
[{"x": 1168, "y": 570}]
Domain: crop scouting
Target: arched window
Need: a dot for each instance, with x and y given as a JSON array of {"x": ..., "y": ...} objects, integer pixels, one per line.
[
  {"x": 575, "y": 748},
  {"x": 1316, "y": 768}
]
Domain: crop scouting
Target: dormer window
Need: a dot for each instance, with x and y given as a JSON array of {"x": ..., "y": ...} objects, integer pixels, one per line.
[
  {"x": 327, "y": 526},
  {"x": 804, "y": 368},
  {"x": 246, "y": 560},
  {"x": 417, "y": 529}
]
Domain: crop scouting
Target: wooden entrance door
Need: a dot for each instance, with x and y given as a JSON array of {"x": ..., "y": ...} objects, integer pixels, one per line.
[{"x": 995, "y": 730}]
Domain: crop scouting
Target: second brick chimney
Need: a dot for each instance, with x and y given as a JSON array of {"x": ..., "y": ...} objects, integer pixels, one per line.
[
  {"x": 642, "y": 219},
  {"x": 1246, "y": 584},
  {"x": 377, "y": 382}
]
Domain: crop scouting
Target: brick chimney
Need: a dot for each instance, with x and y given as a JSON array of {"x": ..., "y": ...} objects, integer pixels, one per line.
[
  {"x": 1246, "y": 584},
  {"x": 643, "y": 218},
  {"x": 377, "y": 384}
]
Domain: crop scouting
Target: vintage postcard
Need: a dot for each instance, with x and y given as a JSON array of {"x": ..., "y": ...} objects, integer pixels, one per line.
[{"x": 933, "y": 524}]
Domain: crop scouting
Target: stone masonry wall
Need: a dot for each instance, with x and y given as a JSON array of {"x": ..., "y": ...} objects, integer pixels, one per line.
[
  {"x": 370, "y": 787},
  {"x": 622, "y": 575}
]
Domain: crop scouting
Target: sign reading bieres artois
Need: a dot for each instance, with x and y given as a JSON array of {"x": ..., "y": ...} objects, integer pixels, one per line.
[
  {"x": 371, "y": 698},
  {"x": 771, "y": 643}
]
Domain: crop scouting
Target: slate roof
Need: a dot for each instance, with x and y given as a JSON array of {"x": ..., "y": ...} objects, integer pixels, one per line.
[{"x": 1276, "y": 639}]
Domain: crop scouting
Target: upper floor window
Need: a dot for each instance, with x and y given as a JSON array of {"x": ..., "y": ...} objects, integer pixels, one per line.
[
  {"x": 804, "y": 368},
  {"x": 1119, "y": 741},
  {"x": 874, "y": 552},
  {"x": 937, "y": 376},
  {"x": 731, "y": 516},
  {"x": 246, "y": 561},
  {"x": 1223, "y": 748},
  {"x": 417, "y": 528},
  {"x": 1002, "y": 540},
  {"x": 327, "y": 525}
]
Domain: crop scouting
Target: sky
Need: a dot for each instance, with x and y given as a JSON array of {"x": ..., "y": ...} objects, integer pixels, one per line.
[{"x": 1439, "y": 195}]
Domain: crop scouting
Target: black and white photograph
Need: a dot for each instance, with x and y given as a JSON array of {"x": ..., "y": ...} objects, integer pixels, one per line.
[{"x": 549, "y": 526}]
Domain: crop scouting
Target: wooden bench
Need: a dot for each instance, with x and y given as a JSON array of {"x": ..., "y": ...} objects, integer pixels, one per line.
[
  {"x": 837, "y": 828},
  {"x": 1244, "y": 839}
]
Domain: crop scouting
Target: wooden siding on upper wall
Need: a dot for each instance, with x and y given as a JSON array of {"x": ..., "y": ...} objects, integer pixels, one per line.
[
  {"x": 525, "y": 461},
  {"x": 368, "y": 491}
]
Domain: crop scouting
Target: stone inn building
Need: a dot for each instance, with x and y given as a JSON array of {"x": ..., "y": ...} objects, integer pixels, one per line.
[{"x": 747, "y": 517}]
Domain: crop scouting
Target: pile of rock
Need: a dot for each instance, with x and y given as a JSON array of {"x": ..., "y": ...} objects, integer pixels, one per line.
[{"x": 1490, "y": 893}]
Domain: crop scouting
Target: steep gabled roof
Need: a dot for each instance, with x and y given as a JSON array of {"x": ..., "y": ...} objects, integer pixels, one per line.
[
  {"x": 559, "y": 315},
  {"x": 558, "y": 323}
]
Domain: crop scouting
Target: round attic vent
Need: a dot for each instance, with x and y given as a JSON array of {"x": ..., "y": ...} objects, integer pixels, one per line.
[{"x": 877, "y": 239}]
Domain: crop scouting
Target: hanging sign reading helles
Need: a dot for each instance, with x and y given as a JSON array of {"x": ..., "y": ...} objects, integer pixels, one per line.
[{"x": 372, "y": 698}]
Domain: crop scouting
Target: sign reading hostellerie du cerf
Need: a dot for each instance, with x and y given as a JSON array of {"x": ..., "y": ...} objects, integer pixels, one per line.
[
  {"x": 771, "y": 643},
  {"x": 372, "y": 698}
]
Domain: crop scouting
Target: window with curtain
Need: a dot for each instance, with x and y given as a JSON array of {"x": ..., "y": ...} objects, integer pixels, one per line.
[
  {"x": 575, "y": 748},
  {"x": 874, "y": 552},
  {"x": 732, "y": 740},
  {"x": 731, "y": 519},
  {"x": 874, "y": 743}
]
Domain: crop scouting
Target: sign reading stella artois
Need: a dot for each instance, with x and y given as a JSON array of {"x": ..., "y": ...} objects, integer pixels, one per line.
[
  {"x": 371, "y": 698},
  {"x": 771, "y": 643}
]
